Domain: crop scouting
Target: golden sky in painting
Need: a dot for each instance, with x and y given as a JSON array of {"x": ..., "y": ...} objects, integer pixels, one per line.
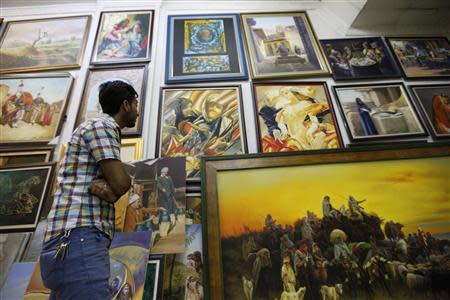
[{"x": 413, "y": 192}]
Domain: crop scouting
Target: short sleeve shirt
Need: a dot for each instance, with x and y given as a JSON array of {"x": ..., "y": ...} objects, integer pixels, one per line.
[{"x": 73, "y": 206}]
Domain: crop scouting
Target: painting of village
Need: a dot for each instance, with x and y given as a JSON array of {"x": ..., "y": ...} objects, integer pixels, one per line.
[
  {"x": 31, "y": 108},
  {"x": 365, "y": 230},
  {"x": 43, "y": 44}
]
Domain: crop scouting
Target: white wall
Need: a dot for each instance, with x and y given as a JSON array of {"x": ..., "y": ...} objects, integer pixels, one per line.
[{"x": 330, "y": 19}]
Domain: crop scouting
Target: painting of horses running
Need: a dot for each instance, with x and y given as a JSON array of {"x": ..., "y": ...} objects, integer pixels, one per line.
[
  {"x": 347, "y": 224},
  {"x": 23, "y": 191}
]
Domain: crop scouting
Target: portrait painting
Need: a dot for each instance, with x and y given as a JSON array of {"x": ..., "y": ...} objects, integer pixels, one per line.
[
  {"x": 44, "y": 44},
  {"x": 294, "y": 117},
  {"x": 422, "y": 57},
  {"x": 90, "y": 107},
  {"x": 282, "y": 44},
  {"x": 343, "y": 223},
  {"x": 32, "y": 107},
  {"x": 123, "y": 36},
  {"x": 183, "y": 274},
  {"x": 435, "y": 107},
  {"x": 17, "y": 156},
  {"x": 204, "y": 47},
  {"x": 154, "y": 278},
  {"x": 12, "y": 248},
  {"x": 24, "y": 190},
  {"x": 379, "y": 111},
  {"x": 200, "y": 121},
  {"x": 193, "y": 208},
  {"x": 17, "y": 280},
  {"x": 157, "y": 202},
  {"x": 359, "y": 58}
]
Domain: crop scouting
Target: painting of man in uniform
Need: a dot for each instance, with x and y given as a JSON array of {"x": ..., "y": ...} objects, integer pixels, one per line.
[
  {"x": 31, "y": 108},
  {"x": 295, "y": 117},
  {"x": 157, "y": 202},
  {"x": 435, "y": 103},
  {"x": 378, "y": 111},
  {"x": 422, "y": 57},
  {"x": 43, "y": 44},
  {"x": 202, "y": 121},
  {"x": 336, "y": 231},
  {"x": 123, "y": 36}
]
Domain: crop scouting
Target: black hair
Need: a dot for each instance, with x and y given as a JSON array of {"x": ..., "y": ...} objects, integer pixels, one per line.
[{"x": 111, "y": 94}]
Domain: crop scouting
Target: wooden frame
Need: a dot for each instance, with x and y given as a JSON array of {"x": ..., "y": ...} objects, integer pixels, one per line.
[
  {"x": 374, "y": 135},
  {"x": 216, "y": 168},
  {"x": 29, "y": 99},
  {"x": 25, "y": 223},
  {"x": 42, "y": 36},
  {"x": 381, "y": 62},
  {"x": 40, "y": 154},
  {"x": 136, "y": 143},
  {"x": 301, "y": 91},
  {"x": 198, "y": 113},
  {"x": 312, "y": 50},
  {"x": 89, "y": 95},
  {"x": 149, "y": 37},
  {"x": 227, "y": 61},
  {"x": 425, "y": 56},
  {"x": 427, "y": 108}
]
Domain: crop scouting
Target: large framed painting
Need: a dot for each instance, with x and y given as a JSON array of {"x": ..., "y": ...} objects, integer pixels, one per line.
[
  {"x": 24, "y": 190},
  {"x": 422, "y": 57},
  {"x": 123, "y": 36},
  {"x": 345, "y": 222},
  {"x": 435, "y": 108},
  {"x": 33, "y": 107},
  {"x": 204, "y": 48},
  {"x": 282, "y": 44},
  {"x": 18, "y": 156},
  {"x": 293, "y": 116},
  {"x": 378, "y": 111},
  {"x": 200, "y": 121},
  {"x": 360, "y": 58},
  {"x": 135, "y": 75},
  {"x": 43, "y": 44}
]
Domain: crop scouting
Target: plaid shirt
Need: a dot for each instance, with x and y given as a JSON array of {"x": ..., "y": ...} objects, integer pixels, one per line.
[{"x": 73, "y": 206}]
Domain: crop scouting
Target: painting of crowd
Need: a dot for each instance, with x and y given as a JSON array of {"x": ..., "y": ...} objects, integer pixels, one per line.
[{"x": 347, "y": 254}]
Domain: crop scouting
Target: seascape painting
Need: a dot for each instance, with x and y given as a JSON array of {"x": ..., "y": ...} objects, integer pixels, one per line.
[
  {"x": 352, "y": 230},
  {"x": 43, "y": 44}
]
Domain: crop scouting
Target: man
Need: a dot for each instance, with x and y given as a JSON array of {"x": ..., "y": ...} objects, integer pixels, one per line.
[
  {"x": 74, "y": 260},
  {"x": 167, "y": 193}
]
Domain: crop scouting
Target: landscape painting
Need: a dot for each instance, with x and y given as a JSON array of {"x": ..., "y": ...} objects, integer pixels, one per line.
[{"x": 44, "y": 44}]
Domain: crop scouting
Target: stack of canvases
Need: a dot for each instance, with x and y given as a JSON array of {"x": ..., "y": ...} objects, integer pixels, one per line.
[{"x": 202, "y": 121}]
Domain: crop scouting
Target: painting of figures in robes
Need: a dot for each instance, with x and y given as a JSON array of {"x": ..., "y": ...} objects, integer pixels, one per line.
[
  {"x": 200, "y": 121},
  {"x": 306, "y": 226},
  {"x": 282, "y": 45},
  {"x": 201, "y": 47},
  {"x": 90, "y": 106},
  {"x": 45, "y": 44},
  {"x": 32, "y": 107},
  {"x": 294, "y": 117},
  {"x": 435, "y": 107},
  {"x": 378, "y": 111},
  {"x": 422, "y": 57},
  {"x": 123, "y": 36}
]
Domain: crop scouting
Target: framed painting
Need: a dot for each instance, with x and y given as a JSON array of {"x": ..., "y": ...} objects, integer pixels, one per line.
[
  {"x": 12, "y": 248},
  {"x": 204, "y": 48},
  {"x": 434, "y": 107},
  {"x": 24, "y": 189},
  {"x": 33, "y": 107},
  {"x": 135, "y": 75},
  {"x": 17, "y": 156},
  {"x": 44, "y": 44},
  {"x": 360, "y": 58},
  {"x": 200, "y": 121},
  {"x": 422, "y": 57},
  {"x": 154, "y": 278},
  {"x": 123, "y": 37},
  {"x": 339, "y": 218},
  {"x": 378, "y": 111},
  {"x": 193, "y": 208},
  {"x": 282, "y": 44},
  {"x": 293, "y": 116}
]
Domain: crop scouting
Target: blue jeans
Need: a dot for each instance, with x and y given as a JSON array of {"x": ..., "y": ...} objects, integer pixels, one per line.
[{"x": 84, "y": 272}]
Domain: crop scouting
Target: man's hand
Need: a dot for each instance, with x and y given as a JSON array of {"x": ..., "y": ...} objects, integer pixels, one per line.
[{"x": 101, "y": 189}]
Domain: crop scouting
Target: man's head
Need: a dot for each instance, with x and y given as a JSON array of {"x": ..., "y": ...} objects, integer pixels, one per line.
[
  {"x": 164, "y": 171},
  {"x": 119, "y": 100}
]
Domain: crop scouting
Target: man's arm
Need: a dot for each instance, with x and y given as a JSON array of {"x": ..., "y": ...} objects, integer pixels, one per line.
[{"x": 116, "y": 176}]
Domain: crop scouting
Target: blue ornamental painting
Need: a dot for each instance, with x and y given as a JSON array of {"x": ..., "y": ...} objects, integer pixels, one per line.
[{"x": 204, "y": 36}]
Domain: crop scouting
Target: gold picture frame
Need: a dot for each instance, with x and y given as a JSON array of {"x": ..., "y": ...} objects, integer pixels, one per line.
[{"x": 13, "y": 156}]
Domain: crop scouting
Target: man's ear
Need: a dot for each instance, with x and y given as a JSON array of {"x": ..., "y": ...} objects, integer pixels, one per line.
[{"x": 126, "y": 105}]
